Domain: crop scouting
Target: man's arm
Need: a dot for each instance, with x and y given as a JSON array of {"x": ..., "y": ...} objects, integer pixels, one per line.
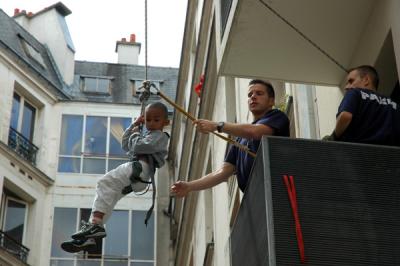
[
  {"x": 182, "y": 188},
  {"x": 248, "y": 131},
  {"x": 342, "y": 122}
]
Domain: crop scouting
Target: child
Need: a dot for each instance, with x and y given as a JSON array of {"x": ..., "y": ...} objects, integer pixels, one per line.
[{"x": 147, "y": 151}]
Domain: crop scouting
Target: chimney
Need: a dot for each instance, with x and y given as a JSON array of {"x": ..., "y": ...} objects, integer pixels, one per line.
[
  {"x": 128, "y": 52},
  {"x": 16, "y": 11}
]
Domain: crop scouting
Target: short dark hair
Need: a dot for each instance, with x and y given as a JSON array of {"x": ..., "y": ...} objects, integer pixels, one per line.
[
  {"x": 370, "y": 71},
  {"x": 268, "y": 86},
  {"x": 160, "y": 106}
]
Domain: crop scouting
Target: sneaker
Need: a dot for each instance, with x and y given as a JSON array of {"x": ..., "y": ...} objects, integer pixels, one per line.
[
  {"x": 89, "y": 230},
  {"x": 77, "y": 245}
]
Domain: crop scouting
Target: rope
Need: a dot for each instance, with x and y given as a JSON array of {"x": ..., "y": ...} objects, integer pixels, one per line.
[
  {"x": 146, "y": 93},
  {"x": 145, "y": 40},
  {"x": 304, "y": 36},
  {"x": 192, "y": 118}
]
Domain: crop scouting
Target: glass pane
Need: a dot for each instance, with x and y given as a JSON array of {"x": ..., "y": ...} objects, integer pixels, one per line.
[
  {"x": 142, "y": 247},
  {"x": 112, "y": 164},
  {"x": 64, "y": 225},
  {"x": 118, "y": 125},
  {"x": 121, "y": 262},
  {"x": 69, "y": 165},
  {"x": 15, "y": 220},
  {"x": 116, "y": 243},
  {"x": 103, "y": 85},
  {"x": 94, "y": 166},
  {"x": 15, "y": 111},
  {"x": 90, "y": 84},
  {"x": 88, "y": 262},
  {"x": 142, "y": 263},
  {"x": 28, "y": 121},
  {"x": 61, "y": 263},
  {"x": 71, "y": 135},
  {"x": 96, "y": 135},
  {"x": 85, "y": 216}
]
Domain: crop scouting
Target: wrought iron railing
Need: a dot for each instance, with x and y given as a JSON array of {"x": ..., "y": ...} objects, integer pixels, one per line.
[
  {"x": 22, "y": 145},
  {"x": 13, "y": 247}
]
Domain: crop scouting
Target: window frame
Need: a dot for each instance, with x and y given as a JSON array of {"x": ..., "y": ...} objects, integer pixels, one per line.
[
  {"x": 22, "y": 101},
  {"x": 32, "y": 52},
  {"x": 7, "y": 199},
  {"x": 84, "y": 155},
  {"x": 129, "y": 258},
  {"x": 85, "y": 89}
]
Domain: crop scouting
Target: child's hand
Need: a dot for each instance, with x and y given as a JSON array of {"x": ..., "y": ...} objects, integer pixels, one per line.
[
  {"x": 180, "y": 189},
  {"x": 138, "y": 121}
]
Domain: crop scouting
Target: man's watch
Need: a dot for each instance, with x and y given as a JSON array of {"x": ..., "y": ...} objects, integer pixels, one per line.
[{"x": 220, "y": 125}]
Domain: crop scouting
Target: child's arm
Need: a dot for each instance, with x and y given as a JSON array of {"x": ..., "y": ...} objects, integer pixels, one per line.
[
  {"x": 152, "y": 142},
  {"x": 134, "y": 127}
]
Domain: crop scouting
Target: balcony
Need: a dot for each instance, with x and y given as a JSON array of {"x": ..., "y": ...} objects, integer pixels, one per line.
[
  {"x": 22, "y": 146},
  {"x": 260, "y": 44},
  {"x": 347, "y": 199},
  {"x": 14, "y": 248}
]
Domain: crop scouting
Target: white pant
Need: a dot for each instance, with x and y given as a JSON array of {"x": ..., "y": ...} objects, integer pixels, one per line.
[{"x": 109, "y": 187}]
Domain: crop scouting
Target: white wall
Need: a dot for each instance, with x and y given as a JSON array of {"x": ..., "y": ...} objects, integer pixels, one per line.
[
  {"x": 54, "y": 38},
  {"x": 327, "y": 101}
]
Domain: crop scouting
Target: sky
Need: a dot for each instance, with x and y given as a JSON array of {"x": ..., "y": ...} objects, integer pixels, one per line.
[{"x": 96, "y": 25}]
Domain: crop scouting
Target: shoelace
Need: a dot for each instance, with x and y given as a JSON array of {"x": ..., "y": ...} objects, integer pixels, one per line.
[{"x": 83, "y": 226}]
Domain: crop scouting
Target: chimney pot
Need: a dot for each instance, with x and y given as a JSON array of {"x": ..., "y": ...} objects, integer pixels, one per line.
[
  {"x": 133, "y": 38},
  {"x": 123, "y": 40},
  {"x": 16, "y": 11},
  {"x": 30, "y": 14}
]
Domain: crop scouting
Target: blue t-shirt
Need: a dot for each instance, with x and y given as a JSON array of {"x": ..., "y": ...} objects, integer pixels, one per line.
[
  {"x": 375, "y": 118},
  {"x": 244, "y": 161}
]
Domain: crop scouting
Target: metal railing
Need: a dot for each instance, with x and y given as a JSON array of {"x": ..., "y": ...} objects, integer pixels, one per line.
[
  {"x": 339, "y": 208},
  {"x": 22, "y": 145},
  {"x": 13, "y": 247}
]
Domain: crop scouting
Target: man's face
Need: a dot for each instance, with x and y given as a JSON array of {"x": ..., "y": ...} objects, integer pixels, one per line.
[
  {"x": 258, "y": 99},
  {"x": 354, "y": 80},
  {"x": 155, "y": 119}
]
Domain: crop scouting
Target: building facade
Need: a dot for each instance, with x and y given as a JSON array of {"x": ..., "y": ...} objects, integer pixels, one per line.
[
  {"x": 60, "y": 130},
  {"x": 304, "y": 48}
]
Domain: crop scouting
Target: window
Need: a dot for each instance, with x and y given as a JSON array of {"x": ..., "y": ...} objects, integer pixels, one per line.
[
  {"x": 101, "y": 85},
  {"x": 23, "y": 116},
  {"x": 128, "y": 243},
  {"x": 32, "y": 52},
  {"x": 15, "y": 219},
  {"x": 91, "y": 144},
  {"x": 22, "y": 124}
]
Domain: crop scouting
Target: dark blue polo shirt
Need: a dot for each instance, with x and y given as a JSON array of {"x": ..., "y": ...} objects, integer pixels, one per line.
[
  {"x": 241, "y": 159},
  {"x": 375, "y": 118}
]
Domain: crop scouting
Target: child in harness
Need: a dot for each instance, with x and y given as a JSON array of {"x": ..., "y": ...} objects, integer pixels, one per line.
[{"x": 147, "y": 151}]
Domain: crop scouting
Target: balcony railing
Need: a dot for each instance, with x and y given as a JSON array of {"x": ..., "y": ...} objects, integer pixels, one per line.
[
  {"x": 22, "y": 146},
  {"x": 13, "y": 247},
  {"x": 344, "y": 200}
]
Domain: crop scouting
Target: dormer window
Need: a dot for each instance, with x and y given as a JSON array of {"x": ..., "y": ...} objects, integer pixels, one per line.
[
  {"x": 32, "y": 52},
  {"x": 99, "y": 85}
]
